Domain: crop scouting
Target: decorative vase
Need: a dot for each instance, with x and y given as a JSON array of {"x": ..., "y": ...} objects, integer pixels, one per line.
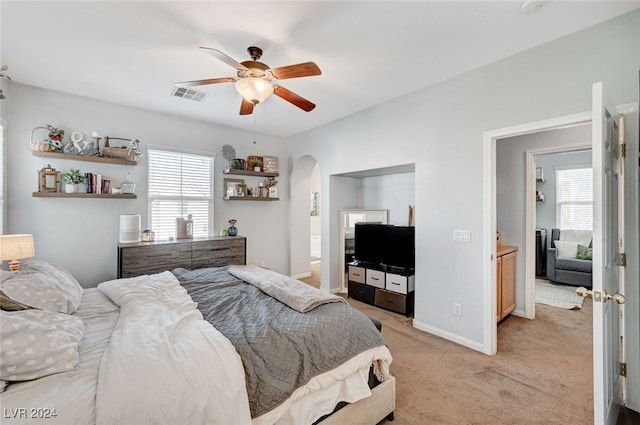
[
  {"x": 232, "y": 231},
  {"x": 71, "y": 187}
]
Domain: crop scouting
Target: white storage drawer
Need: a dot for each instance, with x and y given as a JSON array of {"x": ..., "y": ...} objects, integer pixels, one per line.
[
  {"x": 375, "y": 278},
  {"x": 357, "y": 274},
  {"x": 399, "y": 283}
]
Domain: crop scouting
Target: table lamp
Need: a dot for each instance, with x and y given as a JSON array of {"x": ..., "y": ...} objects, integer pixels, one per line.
[{"x": 14, "y": 248}]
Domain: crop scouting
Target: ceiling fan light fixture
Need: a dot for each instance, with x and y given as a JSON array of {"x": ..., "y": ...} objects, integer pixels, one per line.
[{"x": 253, "y": 89}]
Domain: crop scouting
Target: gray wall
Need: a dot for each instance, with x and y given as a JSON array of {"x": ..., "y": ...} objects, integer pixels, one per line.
[{"x": 440, "y": 129}]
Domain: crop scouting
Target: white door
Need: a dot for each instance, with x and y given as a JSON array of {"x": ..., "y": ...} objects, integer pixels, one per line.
[{"x": 608, "y": 275}]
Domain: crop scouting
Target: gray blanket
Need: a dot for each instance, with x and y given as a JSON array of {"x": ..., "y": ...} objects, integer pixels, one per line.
[{"x": 281, "y": 349}]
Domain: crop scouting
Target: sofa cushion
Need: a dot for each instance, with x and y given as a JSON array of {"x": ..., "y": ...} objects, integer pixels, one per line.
[
  {"x": 574, "y": 264},
  {"x": 567, "y": 249}
]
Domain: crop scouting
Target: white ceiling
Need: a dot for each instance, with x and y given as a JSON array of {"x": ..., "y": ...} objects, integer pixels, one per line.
[{"x": 131, "y": 53}]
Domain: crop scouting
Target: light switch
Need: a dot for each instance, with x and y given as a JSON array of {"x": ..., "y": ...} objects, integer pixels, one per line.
[{"x": 462, "y": 235}]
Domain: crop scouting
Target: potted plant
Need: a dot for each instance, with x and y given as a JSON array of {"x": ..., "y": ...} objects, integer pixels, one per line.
[
  {"x": 72, "y": 180},
  {"x": 256, "y": 164}
]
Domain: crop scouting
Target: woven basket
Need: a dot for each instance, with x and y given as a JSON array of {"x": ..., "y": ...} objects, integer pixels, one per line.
[
  {"x": 122, "y": 153},
  {"x": 39, "y": 146}
]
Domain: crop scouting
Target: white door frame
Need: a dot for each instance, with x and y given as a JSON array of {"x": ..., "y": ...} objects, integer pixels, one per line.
[
  {"x": 489, "y": 225},
  {"x": 530, "y": 220}
]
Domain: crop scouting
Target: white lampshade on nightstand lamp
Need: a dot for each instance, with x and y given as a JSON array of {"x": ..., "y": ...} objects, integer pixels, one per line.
[{"x": 14, "y": 248}]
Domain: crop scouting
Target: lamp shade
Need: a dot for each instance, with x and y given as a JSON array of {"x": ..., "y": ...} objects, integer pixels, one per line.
[
  {"x": 254, "y": 90},
  {"x": 16, "y": 247}
]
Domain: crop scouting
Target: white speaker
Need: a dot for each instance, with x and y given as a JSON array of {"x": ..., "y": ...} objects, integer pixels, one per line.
[{"x": 130, "y": 225}]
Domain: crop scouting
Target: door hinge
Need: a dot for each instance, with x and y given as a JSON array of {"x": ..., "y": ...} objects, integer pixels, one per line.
[
  {"x": 622, "y": 150},
  {"x": 621, "y": 259},
  {"x": 623, "y": 369}
]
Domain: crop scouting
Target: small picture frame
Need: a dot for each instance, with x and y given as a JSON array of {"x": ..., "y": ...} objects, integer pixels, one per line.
[
  {"x": 48, "y": 180},
  {"x": 273, "y": 192},
  {"x": 539, "y": 174},
  {"x": 231, "y": 187}
]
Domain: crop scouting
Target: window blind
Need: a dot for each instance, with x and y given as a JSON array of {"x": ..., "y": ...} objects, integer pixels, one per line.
[
  {"x": 574, "y": 198},
  {"x": 180, "y": 184}
]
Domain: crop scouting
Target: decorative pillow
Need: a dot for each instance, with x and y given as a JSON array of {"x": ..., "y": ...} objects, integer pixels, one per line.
[
  {"x": 567, "y": 249},
  {"x": 8, "y": 304},
  {"x": 37, "y": 343},
  {"x": 67, "y": 284},
  {"x": 584, "y": 253},
  {"x": 39, "y": 290}
]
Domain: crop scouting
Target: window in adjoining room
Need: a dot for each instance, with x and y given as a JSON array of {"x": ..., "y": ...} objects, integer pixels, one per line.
[
  {"x": 180, "y": 184},
  {"x": 574, "y": 198}
]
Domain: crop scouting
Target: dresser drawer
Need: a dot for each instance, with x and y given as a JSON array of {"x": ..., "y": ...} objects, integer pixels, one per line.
[
  {"x": 361, "y": 292},
  {"x": 399, "y": 283},
  {"x": 139, "y": 260},
  {"x": 357, "y": 274},
  {"x": 375, "y": 278},
  {"x": 217, "y": 253},
  {"x": 391, "y": 301}
]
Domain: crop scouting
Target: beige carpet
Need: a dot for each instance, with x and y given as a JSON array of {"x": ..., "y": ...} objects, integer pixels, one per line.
[{"x": 542, "y": 373}]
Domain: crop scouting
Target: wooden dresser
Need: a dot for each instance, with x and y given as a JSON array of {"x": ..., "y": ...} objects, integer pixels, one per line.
[
  {"x": 506, "y": 280},
  {"x": 139, "y": 258}
]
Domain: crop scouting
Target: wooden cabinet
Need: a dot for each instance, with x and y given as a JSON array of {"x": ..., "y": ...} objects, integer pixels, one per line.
[
  {"x": 140, "y": 258},
  {"x": 393, "y": 291},
  {"x": 506, "y": 280}
]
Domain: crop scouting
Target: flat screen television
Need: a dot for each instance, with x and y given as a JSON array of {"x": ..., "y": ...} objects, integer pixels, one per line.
[{"x": 385, "y": 244}]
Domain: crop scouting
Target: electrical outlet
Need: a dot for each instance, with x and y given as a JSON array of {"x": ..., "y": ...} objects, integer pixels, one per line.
[{"x": 457, "y": 309}]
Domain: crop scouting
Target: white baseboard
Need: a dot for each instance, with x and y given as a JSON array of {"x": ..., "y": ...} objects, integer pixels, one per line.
[
  {"x": 302, "y": 276},
  {"x": 474, "y": 345}
]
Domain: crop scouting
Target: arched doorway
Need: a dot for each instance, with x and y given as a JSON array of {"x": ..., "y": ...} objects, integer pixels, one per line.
[{"x": 305, "y": 186}]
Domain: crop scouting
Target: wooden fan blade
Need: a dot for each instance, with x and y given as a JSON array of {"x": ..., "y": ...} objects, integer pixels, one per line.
[
  {"x": 224, "y": 58},
  {"x": 246, "y": 108},
  {"x": 187, "y": 84},
  {"x": 294, "y": 98},
  {"x": 306, "y": 69}
]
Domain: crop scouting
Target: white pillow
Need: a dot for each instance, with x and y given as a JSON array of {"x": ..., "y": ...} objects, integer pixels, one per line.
[
  {"x": 36, "y": 290},
  {"x": 67, "y": 284},
  {"x": 37, "y": 343},
  {"x": 567, "y": 249},
  {"x": 583, "y": 237}
]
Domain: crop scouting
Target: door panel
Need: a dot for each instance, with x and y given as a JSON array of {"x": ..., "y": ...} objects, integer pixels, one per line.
[{"x": 607, "y": 194}]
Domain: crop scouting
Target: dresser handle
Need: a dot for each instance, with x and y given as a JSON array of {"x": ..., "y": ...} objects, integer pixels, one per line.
[
  {"x": 388, "y": 300},
  {"x": 374, "y": 278},
  {"x": 395, "y": 283}
]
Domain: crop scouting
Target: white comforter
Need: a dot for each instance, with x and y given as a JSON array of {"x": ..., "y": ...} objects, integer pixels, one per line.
[{"x": 164, "y": 363}]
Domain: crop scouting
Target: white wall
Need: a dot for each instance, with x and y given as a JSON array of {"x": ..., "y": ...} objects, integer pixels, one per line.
[
  {"x": 82, "y": 234},
  {"x": 441, "y": 127},
  {"x": 394, "y": 192}
]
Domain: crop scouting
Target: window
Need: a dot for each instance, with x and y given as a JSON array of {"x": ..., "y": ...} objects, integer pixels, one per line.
[
  {"x": 180, "y": 184},
  {"x": 574, "y": 198}
]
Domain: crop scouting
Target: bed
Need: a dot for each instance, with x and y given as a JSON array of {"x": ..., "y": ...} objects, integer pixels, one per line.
[{"x": 137, "y": 350}]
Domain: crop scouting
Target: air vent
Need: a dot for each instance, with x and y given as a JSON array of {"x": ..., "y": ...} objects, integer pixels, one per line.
[{"x": 198, "y": 96}]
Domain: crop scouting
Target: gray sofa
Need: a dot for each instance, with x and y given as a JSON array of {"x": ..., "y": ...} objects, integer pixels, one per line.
[{"x": 569, "y": 271}]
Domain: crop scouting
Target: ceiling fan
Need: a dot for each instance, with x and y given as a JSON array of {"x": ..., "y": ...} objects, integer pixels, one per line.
[{"x": 256, "y": 81}]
